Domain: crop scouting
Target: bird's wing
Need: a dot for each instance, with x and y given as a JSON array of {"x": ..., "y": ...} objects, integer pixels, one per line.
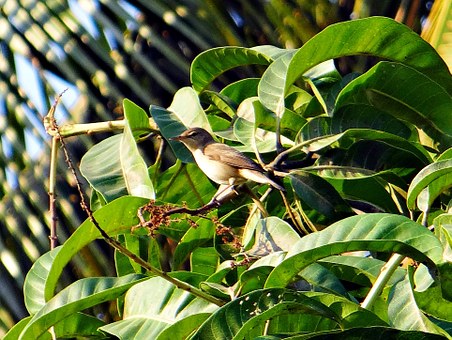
[{"x": 228, "y": 155}]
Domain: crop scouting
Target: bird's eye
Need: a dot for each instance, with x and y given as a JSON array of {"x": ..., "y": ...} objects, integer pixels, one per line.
[{"x": 193, "y": 133}]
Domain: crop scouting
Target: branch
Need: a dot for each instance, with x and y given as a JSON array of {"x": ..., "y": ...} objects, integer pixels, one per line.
[{"x": 386, "y": 272}]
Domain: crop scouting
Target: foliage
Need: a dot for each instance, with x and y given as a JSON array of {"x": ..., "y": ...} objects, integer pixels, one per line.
[{"x": 357, "y": 155}]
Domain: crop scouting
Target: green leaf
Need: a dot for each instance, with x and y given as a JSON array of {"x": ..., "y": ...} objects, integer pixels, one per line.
[
  {"x": 246, "y": 316},
  {"x": 272, "y": 234},
  {"x": 220, "y": 101},
  {"x": 35, "y": 281},
  {"x": 412, "y": 150},
  {"x": 137, "y": 119},
  {"x": 389, "y": 87},
  {"x": 377, "y": 36},
  {"x": 359, "y": 270},
  {"x": 271, "y": 88},
  {"x": 427, "y": 176},
  {"x": 404, "y": 313},
  {"x": 441, "y": 308},
  {"x": 375, "y": 332},
  {"x": 204, "y": 261},
  {"x": 79, "y": 325},
  {"x": 372, "y": 189},
  {"x": 374, "y": 232},
  {"x": 443, "y": 231},
  {"x": 101, "y": 166},
  {"x": 367, "y": 116},
  {"x": 154, "y": 305},
  {"x": 211, "y": 63},
  {"x": 193, "y": 238},
  {"x": 188, "y": 110},
  {"x": 184, "y": 112},
  {"x": 134, "y": 168},
  {"x": 252, "y": 140},
  {"x": 319, "y": 194},
  {"x": 183, "y": 183},
  {"x": 114, "y": 166},
  {"x": 350, "y": 313},
  {"x": 114, "y": 218},
  {"x": 78, "y": 296},
  {"x": 241, "y": 89},
  {"x": 14, "y": 332}
]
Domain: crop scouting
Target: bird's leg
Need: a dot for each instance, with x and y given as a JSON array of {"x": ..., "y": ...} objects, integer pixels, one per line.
[{"x": 224, "y": 190}]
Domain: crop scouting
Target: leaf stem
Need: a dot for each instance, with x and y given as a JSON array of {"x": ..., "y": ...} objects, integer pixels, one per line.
[
  {"x": 385, "y": 274},
  {"x": 68, "y": 130}
]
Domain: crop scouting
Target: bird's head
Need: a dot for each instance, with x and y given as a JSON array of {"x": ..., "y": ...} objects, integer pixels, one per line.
[{"x": 195, "y": 138}]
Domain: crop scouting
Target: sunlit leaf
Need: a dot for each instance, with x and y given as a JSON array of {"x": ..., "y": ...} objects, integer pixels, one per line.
[
  {"x": 211, "y": 63},
  {"x": 373, "y": 232},
  {"x": 246, "y": 316},
  {"x": 154, "y": 305},
  {"x": 426, "y": 177},
  {"x": 389, "y": 87},
  {"x": 101, "y": 166},
  {"x": 114, "y": 218},
  {"x": 80, "y": 295},
  {"x": 378, "y": 36},
  {"x": 134, "y": 168}
]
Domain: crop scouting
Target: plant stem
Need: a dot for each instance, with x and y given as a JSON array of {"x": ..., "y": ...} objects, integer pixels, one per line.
[
  {"x": 52, "y": 195},
  {"x": 386, "y": 272},
  {"x": 68, "y": 130}
]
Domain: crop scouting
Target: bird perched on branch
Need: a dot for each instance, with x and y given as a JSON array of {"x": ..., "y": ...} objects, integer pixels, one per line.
[{"x": 221, "y": 163}]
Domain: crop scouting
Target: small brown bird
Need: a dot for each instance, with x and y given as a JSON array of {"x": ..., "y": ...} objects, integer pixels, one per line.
[{"x": 221, "y": 163}]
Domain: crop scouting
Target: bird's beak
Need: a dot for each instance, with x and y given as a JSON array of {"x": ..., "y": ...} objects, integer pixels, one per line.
[{"x": 177, "y": 138}]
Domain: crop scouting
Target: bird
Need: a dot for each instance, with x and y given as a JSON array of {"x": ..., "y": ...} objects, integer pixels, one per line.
[{"x": 222, "y": 163}]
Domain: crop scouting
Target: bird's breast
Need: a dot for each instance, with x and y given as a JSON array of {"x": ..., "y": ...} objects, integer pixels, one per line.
[{"x": 218, "y": 172}]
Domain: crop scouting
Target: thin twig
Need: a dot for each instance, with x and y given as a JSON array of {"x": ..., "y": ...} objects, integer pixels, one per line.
[{"x": 49, "y": 124}]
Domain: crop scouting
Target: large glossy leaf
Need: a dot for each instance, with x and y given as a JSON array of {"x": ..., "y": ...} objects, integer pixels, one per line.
[
  {"x": 241, "y": 89},
  {"x": 368, "y": 116},
  {"x": 204, "y": 261},
  {"x": 270, "y": 92},
  {"x": 374, "y": 232},
  {"x": 134, "y": 168},
  {"x": 211, "y": 63},
  {"x": 101, "y": 166},
  {"x": 154, "y": 305},
  {"x": 80, "y": 295},
  {"x": 36, "y": 279},
  {"x": 430, "y": 175},
  {"x": 413, "y": 150},
  {"x": 389, "y": 87},
  {"x": 114, "y": 218},
  {"x": 351, "y": 314},
  {"x": 441, "y": 308},
  {"x": 137, "y": 118},
  {"x": 245, "y": 317},
  {"x": 75, "y": 325},
  {"x": 182, "y": 183},
  {"x": 365, "y": 333},
  {"x": 382, "y": 37},
  {"x": 443, "y": 230},
  {"x": 359, "y": 270},
  {"x": 405, "y": 314},
  {"x": 355, "y": 185},
  {"x": 184, "y": 112},
  {"x": 319, "y": 194},
  {"x": 193, "y": 238},
  {"x": 270, "y": 235}
]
